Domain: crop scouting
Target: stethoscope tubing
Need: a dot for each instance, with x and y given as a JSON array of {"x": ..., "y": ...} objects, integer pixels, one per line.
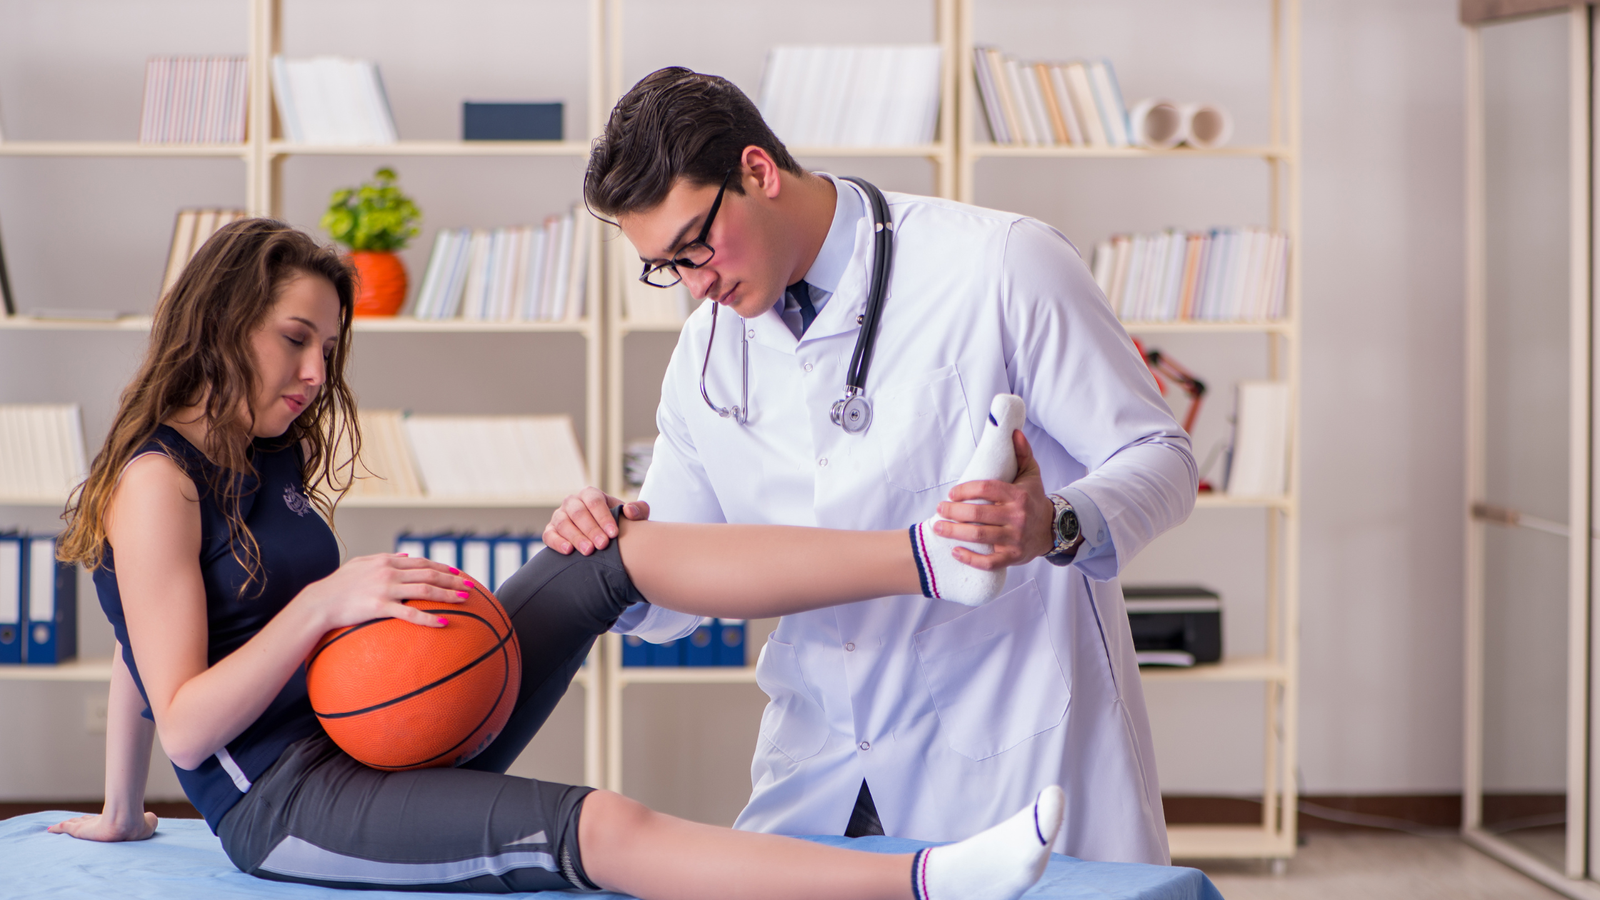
[{"x": 866, "y": 338}]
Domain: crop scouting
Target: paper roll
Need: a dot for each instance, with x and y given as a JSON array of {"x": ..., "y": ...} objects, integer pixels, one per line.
[
  {"x": 1157, "y": 123},
  {"x": 1206, "y": 126}
]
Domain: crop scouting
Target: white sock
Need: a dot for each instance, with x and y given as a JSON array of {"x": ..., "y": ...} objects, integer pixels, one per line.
[
  {"x": 998, "y": 864},
  {"x": 943, "y": 577}
]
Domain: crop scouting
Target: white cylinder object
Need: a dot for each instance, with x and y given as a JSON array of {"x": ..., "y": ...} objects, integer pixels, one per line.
[
  {"x": 1157, "y": 123},
  {"x": 1206, "y": 126}
]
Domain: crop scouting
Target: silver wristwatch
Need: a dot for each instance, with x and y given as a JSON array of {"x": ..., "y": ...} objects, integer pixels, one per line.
[{"x": 1068, "y": 533}]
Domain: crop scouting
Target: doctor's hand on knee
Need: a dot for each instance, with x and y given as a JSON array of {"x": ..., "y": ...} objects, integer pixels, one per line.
[
  {"x": 1018, "y": 519},
  {"x": 583, "y": 522}
]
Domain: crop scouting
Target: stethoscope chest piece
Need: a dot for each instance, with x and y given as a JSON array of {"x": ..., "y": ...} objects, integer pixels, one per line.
[{"x": 853, "y": 414}]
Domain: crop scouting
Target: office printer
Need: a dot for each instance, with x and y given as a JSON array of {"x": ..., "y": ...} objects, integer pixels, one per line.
[{"x": 1174, "y": 625}]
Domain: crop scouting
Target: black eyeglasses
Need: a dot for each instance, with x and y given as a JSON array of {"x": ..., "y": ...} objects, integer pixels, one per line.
[{"x": 694, "y": 254}]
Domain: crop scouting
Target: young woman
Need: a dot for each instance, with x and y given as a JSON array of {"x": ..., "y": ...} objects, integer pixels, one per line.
[{"x": 217, "y": 582}]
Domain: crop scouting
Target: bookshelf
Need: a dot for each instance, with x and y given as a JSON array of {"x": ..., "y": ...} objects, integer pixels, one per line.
[
  {"x": 264, "y": 155},
  {"x": 1276, "y": 670}
]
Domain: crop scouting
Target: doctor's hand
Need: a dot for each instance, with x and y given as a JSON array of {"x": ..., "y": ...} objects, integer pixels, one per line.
[
  {"x": 583, "y": 522},
  {"x": 1019, "y": 520}
]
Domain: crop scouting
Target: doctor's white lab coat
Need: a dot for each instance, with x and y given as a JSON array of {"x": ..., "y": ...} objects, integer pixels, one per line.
[{"x": 954, "y": 716}]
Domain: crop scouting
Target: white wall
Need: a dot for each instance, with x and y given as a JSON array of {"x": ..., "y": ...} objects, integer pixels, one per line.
[{"x": 1383, "y": 286}]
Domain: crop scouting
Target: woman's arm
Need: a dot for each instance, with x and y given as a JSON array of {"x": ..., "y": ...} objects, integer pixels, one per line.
[
  {"x": 128, "y": 738},
  {"x": 153, "y": 526}
]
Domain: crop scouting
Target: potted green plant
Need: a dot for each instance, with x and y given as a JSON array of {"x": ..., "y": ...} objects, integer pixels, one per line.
[{"x": 374, "y": 220}]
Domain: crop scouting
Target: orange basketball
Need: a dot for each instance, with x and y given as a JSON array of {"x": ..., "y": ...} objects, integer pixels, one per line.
[{"x": 400, "y": 696}]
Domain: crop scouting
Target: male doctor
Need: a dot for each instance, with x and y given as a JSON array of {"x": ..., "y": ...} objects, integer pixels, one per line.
[{"x": 907, "y": 716}]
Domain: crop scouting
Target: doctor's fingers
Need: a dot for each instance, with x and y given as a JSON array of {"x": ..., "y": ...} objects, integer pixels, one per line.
[
  {"x": 583, "y": 522},
  {"x": 1001, "y": 558}
]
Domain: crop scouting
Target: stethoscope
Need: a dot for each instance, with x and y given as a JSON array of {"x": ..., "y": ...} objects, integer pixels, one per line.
[{"x": 853, "y": 412}]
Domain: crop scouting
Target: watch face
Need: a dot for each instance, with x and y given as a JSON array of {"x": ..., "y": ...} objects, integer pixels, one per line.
[{"x": 1067, "y": 526}]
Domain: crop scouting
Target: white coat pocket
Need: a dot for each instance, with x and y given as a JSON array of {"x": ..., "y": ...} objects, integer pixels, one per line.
[
  {"x": 994, "y": 675},
  {"x": 923, "y": 431},
  {"x": 793, "y": 722}
]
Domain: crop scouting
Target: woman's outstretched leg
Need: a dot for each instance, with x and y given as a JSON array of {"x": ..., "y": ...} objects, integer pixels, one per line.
[
  {"x": 627, "y": 847},
  {"x": 756, "y": 571}
]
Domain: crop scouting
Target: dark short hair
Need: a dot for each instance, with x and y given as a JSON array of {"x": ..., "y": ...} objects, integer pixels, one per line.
[{"x": 674, "y": 124}]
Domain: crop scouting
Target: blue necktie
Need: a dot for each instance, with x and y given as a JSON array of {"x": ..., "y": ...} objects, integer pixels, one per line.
[{"x": 801, "y": 292}]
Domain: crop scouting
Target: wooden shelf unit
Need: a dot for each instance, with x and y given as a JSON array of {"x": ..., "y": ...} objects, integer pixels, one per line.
[{"x": 1278, "y": 669}]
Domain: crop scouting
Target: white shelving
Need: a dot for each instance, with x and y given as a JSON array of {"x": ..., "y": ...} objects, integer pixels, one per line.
[{"x": 1277, "y": 669}]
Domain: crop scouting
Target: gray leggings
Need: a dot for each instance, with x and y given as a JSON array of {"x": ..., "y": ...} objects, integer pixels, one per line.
[{"x": 319, "y": 817}]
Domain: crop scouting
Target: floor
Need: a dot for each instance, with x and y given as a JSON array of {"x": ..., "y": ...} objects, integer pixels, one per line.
[{"x": 1376, "y": 866}]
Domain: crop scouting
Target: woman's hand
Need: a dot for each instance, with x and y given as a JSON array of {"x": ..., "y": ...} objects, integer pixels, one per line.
[
  {"x": 107, "y": 828},
  {"x": 373, "y": 587}
]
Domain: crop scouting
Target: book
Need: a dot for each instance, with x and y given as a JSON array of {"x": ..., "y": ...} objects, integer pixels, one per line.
[
  {"x": 42, "y": 453},
  {"x": 194, "y": 100},
  {"x": 514, "y": 273},
  {"x": 8, "y": 301},
  {"x": 1225, "y": 274},
  {"x": 332, "y": 100},
  {"x": 852, "y": 96},
  {"x": 190, "y": 230},
  {"x": 1068, "y": 104},
  {"x": 386, "y": 467},
  {"x": 1260, "y": 458},
  {"x": 528, "y": 458}
]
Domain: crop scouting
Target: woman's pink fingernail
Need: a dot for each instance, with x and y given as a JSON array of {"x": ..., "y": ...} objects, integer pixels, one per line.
[
  {"x": 443, "y": 621},
  {"x": 469, "y": 583},
  {"x": 454, "y": 571},
  {"x": 405, "y": 554},
  {"x": 463, "y": 594}
]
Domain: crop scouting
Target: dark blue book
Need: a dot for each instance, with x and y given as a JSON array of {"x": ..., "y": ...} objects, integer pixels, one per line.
[
  {"x": 700, "y": 647},
  {"x": 635, "y": 652},
  {"x": 510, "y": 121},
  {"x": 730, "y": 642},
  {"x": 668, "y": 654}
]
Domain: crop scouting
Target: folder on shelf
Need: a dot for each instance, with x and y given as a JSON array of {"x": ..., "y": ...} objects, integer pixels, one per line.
[
  {"x": 50, "y": 617},
  {"x": 506, "y": 556},
  {"x": 410, "y": 545},
  {"x": 700, "y": 647},
  {"x": 667, "y": 654},
  {"x": 1260, "y": 461},
  {"x": 477, "y": 559},
  {"x": 11, "y": 594},
  {"x": 730, "y": 642},
  {"x": 635, "y": 652},
  {"x": 445, "y": 548}
]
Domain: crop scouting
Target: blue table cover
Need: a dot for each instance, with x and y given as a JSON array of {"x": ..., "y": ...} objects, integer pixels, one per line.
[{"x": 184, "y": 861}]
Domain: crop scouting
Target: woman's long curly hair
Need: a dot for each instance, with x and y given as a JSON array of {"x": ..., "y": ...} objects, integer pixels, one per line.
[{"x": 200, "y": 353}]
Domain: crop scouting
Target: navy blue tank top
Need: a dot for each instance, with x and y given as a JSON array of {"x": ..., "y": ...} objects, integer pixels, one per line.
[{"x": 296, "y": 548}]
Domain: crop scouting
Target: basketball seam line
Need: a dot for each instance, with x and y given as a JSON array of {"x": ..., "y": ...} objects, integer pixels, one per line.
[{"x": 427, "y": 687}]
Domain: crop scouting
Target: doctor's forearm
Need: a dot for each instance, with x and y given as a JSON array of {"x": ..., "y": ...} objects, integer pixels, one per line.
[{"x": 757, "y": 571}]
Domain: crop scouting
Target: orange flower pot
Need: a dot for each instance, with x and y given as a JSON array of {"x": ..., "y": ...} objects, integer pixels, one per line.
[{"x": 380, "y": 282}]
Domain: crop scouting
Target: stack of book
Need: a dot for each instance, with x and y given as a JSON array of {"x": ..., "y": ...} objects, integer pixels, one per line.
[
  {"x": 468, "y": 458},
  {"x": 38, "y": 601},
  {"x": 716, "y": 642},
  {"x": 523, "y": 273},
  {"x": 1072, "y": 104},
  {"x": 331, "y": 100},
  {"x": 194, "y": 100},
  {"x": 41, "y": 452},
  {"x": 191, "y": 230},
  {"x": 386, "y": 467},
  {"x": 1222, "y": 275},
  {"x": 643, "y": 304},
  {"x": 852, "y": 96},
  {"x": 490, "y": 559}
]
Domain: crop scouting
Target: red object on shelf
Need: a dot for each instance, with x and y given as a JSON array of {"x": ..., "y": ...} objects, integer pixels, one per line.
[
  {"x": 1161, "y": 365},
  {"x": 380, "y": 282}
]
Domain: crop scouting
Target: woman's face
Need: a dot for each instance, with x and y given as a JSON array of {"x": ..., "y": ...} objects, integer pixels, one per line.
[{"x": 291, "y": 351}]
